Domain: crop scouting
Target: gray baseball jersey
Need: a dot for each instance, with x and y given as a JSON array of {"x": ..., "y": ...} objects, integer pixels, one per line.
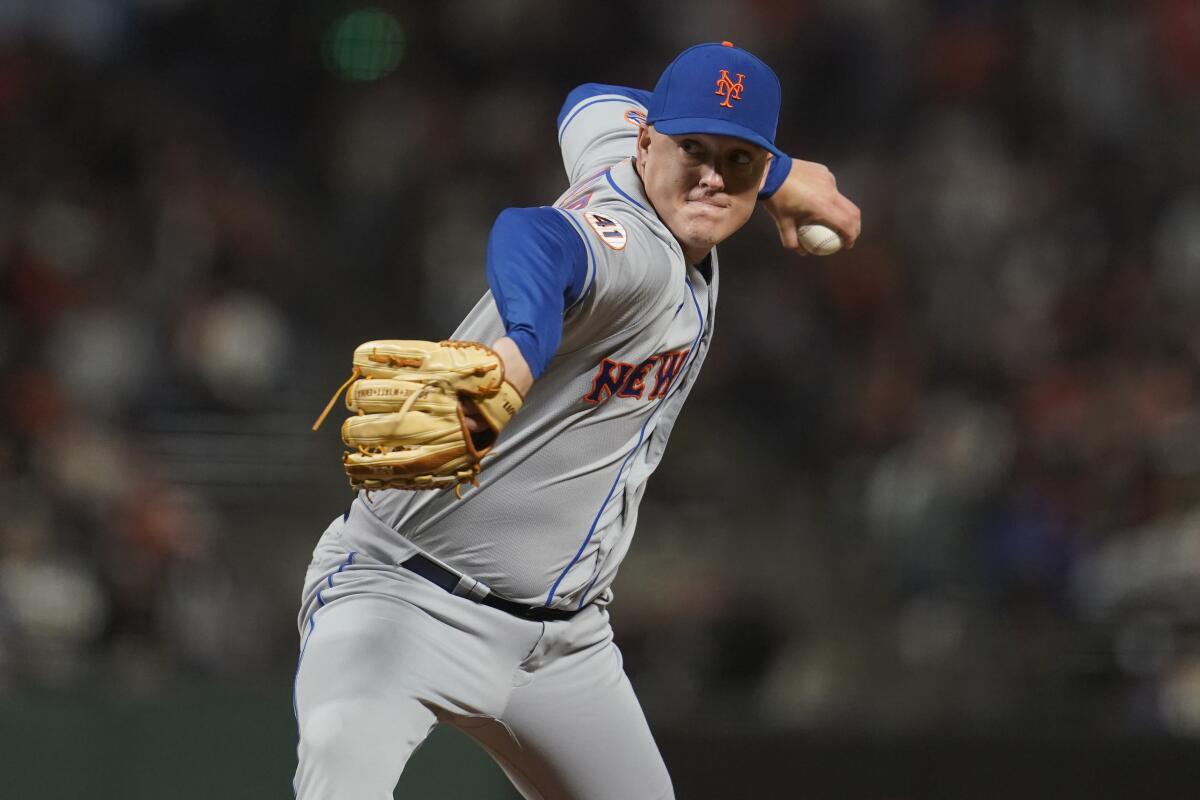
[{"x": 558, "y": 498}]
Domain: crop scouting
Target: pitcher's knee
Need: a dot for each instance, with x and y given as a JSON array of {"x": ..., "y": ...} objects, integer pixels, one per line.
[
  {"x": 329, "y": 734},
  {"x": 357, "y": 741}
]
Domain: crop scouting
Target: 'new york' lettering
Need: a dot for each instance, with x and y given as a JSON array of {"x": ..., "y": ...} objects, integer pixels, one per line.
[{"x": 622, "y": 379}]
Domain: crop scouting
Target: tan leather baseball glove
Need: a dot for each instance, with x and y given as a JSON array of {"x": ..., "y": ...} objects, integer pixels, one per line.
[{"x": 409, "y": 430}]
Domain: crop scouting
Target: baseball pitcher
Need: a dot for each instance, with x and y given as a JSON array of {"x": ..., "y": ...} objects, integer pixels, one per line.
[{"x": 499, "y": 472}]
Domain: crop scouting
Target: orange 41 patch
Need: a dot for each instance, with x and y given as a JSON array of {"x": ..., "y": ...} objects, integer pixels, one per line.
[{"x": 611, "y": 232}]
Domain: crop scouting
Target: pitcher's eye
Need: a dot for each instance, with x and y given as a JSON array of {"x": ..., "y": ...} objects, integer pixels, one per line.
[{"x": 691, "y": 147}]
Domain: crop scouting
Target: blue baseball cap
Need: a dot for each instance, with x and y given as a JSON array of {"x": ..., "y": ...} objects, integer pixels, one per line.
[{"x": 719, "y": 89}]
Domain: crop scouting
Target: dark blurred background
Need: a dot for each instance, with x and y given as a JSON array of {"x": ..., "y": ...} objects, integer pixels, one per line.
[{"x": 930, "y": 527}]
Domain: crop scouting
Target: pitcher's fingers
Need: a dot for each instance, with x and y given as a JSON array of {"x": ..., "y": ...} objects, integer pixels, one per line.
[
  {"x": 788, "y": 236},
  {"x": 850, "y": 223}
]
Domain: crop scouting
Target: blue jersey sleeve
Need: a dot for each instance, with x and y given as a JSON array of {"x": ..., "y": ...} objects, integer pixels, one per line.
[{"x": 536, "y": 268}]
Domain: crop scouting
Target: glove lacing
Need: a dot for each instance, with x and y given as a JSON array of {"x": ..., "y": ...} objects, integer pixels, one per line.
[{"x": 354, "y": 374}]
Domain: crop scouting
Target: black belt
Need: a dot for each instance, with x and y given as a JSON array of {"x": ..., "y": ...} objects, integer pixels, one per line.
[{"x": 465, "y": 587}]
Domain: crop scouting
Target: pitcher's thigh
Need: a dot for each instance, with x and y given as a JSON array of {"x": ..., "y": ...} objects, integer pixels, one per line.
[
  {"x": 576, "y": 735},
  {"x": 359, "y": 717}
]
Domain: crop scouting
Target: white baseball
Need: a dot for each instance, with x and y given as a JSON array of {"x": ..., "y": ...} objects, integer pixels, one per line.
[{"x": 819, "y": 240}]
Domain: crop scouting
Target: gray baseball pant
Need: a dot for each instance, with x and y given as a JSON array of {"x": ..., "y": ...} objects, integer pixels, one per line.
[{"x": 387, "y": 655}]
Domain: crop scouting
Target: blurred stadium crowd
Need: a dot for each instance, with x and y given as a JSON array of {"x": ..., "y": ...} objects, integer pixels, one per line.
[{"x": 949, "y": 477}]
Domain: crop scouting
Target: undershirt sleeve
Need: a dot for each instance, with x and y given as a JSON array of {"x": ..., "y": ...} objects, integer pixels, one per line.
[
  {"x": 777, "y": 173},
  {"x": 536, "y": 268}
]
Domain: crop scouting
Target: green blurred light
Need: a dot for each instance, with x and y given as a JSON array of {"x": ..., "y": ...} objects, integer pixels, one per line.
[{"x": 364, "y": 45}]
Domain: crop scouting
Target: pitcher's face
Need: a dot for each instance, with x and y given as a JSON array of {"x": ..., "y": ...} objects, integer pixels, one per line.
[{"x": 703, "y": 186}]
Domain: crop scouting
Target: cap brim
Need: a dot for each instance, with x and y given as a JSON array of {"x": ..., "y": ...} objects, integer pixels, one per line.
[{"x": 719, "y": 127}]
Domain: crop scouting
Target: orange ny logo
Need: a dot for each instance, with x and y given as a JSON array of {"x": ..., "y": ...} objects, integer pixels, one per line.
[{"x": 728, "y": 89}]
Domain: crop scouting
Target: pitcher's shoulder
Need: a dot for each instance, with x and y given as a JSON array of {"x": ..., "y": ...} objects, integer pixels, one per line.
[{"x": 588, "y": 95}]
